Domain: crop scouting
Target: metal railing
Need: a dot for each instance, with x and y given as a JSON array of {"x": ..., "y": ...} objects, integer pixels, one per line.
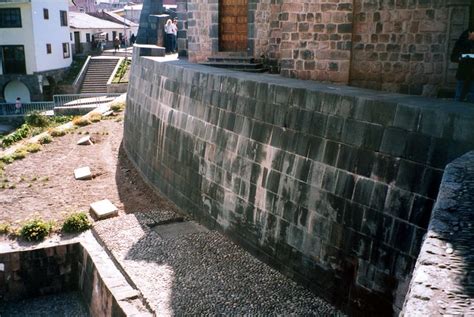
[
  {"x": 73, "y": 100},
  {"x": 9, "y": 109},
  {"x": 83, "y": 99}
]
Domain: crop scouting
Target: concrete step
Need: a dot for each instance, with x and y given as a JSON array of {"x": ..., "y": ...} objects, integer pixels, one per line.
[
  {"x": 245, "y": 67},
  {"x": 231, "y": 59}
]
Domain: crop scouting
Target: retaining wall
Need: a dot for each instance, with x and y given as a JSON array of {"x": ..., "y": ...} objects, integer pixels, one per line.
[{"x": 332, "y": 185}]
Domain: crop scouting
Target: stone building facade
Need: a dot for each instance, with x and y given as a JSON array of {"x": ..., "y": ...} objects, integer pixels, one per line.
[{"x": 392, "y": 45}]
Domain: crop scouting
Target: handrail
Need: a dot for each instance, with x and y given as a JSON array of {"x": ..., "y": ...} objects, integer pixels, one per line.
[
  {"x": 80, "y": 77},
  {"x": 9, "y": 109}
]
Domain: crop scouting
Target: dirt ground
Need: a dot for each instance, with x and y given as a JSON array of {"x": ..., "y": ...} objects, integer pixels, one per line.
[{"x": 43, "y": 184}]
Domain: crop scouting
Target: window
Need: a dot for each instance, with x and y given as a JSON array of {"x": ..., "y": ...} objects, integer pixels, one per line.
[
  {"x": 10, "y": 18},
  {"x": 63, "y": 15},
  {"x": 46, "y": 14},
  {"x": 66, "y": 53},
  {"x": 48, "y": 48},
  {"x": 13, "y": 59},
  {"x": 70, "y": 36},
  {"x": 88, "y": 37}
]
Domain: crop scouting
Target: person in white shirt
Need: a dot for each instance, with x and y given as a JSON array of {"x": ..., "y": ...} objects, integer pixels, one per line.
[
  {"x": 174, "y": 28},
  {"x": 169, "y": 36}
]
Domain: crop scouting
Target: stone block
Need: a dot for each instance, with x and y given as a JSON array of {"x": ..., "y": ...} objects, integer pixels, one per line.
[
  {"x": 394, "y": 141},
  {"x": 83, "y": 173},
  {"x": 398, "y": 203},
  {"x": 85, "y": 141},
  {"x": 103, "y": 209},
  {"x": 363, "y": 191}
]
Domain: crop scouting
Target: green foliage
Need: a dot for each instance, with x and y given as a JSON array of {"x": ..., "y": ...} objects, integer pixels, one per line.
[
  {"x": 36, "y": 119},
  {"x": 58, "y": 120},
  {"x": 35, "y": 230},
  {"x": 117, "y": 106},
  {"x": 45, "y": 139},
  {"x": 121, "y": 71},
  {"x": 76, "y": 222},
  {"x": 16, "y": 136},
  {"x": 7, "y": 159},
  {"x": 74, "y": 69}
]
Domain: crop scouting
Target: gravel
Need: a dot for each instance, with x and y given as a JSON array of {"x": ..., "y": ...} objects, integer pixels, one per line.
[{"x": 202, "y": 273}]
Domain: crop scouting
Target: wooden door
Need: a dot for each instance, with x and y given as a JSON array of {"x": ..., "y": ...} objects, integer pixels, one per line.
[
  {"x": 233, "y": 25},
  {"x": 77, "y": 42}
]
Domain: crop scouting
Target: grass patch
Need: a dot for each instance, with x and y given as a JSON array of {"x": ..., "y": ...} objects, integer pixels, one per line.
[
  {"x": 95, "y": 117},
  {"x": 121, "y": 72},
  {"x": 73, "y": 71},
  {"x": 45, "y": 139},
  {"x": 81, "y": 121},
  {"x": 4, "y": 228},
  {"x": 117, "y": 106},
  {"x": 32, "y": 147},
  {"x": 57, "y": 133}
]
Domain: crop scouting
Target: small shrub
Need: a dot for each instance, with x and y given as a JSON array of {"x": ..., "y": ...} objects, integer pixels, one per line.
[
  {"x": 19, "y": 154},
  {"x": 57, "y": 133},
  {"x": 95, "y": 117},
  {"x": 36, "y": 119},
  {"x": 7, "y": 159},
  {"x": 21, "y": 133},
  {"x": 76, "y": 222},
  {"x": 4, "y": 228},
  {"x": 117, "y": 106},
  {"x": 35, "y": 230},
  {"x": 81, "y": 121},
  {"x": 58, "y": 120},
  {"x": 45, "y": 139},
  {"x": 33, "y": 147}
]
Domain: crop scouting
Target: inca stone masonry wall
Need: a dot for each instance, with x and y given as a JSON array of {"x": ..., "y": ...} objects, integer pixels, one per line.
[
  {"x": 332, "y": 185},
  {"x": 399, "y": 46}
]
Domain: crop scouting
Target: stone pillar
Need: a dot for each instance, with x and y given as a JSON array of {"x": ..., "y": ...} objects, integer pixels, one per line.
[
  {"x": 147, "y": 32},
  {"x": 182, "y": 11}
]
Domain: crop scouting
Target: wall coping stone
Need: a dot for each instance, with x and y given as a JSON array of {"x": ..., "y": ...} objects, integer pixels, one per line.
[{"x": 443, "y": 278}]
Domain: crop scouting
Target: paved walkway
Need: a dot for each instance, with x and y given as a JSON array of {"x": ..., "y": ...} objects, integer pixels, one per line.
[{"x": 182, "y": 268}]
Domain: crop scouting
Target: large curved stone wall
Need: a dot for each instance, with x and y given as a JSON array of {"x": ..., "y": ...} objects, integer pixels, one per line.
[{"x": 333, "y": 185}]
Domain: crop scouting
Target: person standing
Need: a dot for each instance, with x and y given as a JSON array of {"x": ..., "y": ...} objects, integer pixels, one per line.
[
  {"x": 132, "y": 39},
  {"x": 168, "y": 36},
  {"x": 174, "y": 29},
  {"x": 18, "y": 105},
  {"x": 116, "y": 44},
  {"x": 465, "y": 73}
]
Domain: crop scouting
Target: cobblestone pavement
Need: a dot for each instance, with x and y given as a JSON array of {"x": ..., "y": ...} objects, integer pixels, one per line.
[
  {"x": 58, "y": 305},
  {"x": 443, "y": 279},
  {"x": 182, "y": 268}
]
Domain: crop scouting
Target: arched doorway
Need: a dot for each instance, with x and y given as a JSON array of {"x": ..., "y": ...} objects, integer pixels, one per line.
[{"x": 15, "y": 89}]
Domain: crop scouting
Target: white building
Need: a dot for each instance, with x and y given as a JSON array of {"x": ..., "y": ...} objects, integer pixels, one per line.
[
  {"x": 86, "y": 28},
  {"x": 34, "y": 46}
]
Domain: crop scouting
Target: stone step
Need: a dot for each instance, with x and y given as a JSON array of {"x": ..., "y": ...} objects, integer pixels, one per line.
[
  {"x": 245, "y": 67},
  {"x": 231, "y": 59}
]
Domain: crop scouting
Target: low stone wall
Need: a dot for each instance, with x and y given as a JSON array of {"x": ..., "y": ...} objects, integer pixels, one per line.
[
  {"x": 332, "y": 185},
  {"x": 79, "y": 266},
  {"x": 443, "y": 279}
]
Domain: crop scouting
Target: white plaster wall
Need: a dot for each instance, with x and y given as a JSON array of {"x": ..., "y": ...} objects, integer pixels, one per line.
[
  {"x": 93, "y": 31},
  {"x": 50, "y": 31},
  {"x": 21, "y": 36}
]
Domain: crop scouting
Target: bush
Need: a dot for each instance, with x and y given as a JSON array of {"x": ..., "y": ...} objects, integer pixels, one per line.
[
  {"x": 35, "y": 230},
  {"x": 7, "y": 159},
  {"x": 57, "y": 132},
  {"x": 21, "y": 133},
  {"x": 45, "y": 139},
  {"x": 19, "y": 154},
  {"x": 32, "y": 147},
  {"x": 117, "y": 106},
  {"x": 76, "y": 222},
  {"x": 4, "y": 228},
  {"x": 36, "y": 119},
  {"x": 57, "y": 120},
  {"x": 95, "y": 117},
  {"x": 81, "y": 121}
]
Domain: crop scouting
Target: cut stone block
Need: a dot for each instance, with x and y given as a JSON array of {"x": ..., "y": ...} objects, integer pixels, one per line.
[
  {"x": 103, "y": 209},
  {"x": 83, "y": 173},
  {"x": 85, "y": 141}
]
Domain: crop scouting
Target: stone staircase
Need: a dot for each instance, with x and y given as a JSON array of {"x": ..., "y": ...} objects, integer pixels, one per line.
[
  {"x": 97, "y": 75},
  {"x": 234, "y": 62}
]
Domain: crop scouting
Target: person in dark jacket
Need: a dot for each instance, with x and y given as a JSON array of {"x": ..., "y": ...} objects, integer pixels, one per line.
[{"x": 465, "y": 73}]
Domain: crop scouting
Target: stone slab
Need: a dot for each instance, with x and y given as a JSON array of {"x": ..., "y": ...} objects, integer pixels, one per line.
[
  {"x": 83, "y": 173},
  {"x": 177, "y": 229},
  {"x": 85, "y": 141},
  {"x": 103, "y": 209}
]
